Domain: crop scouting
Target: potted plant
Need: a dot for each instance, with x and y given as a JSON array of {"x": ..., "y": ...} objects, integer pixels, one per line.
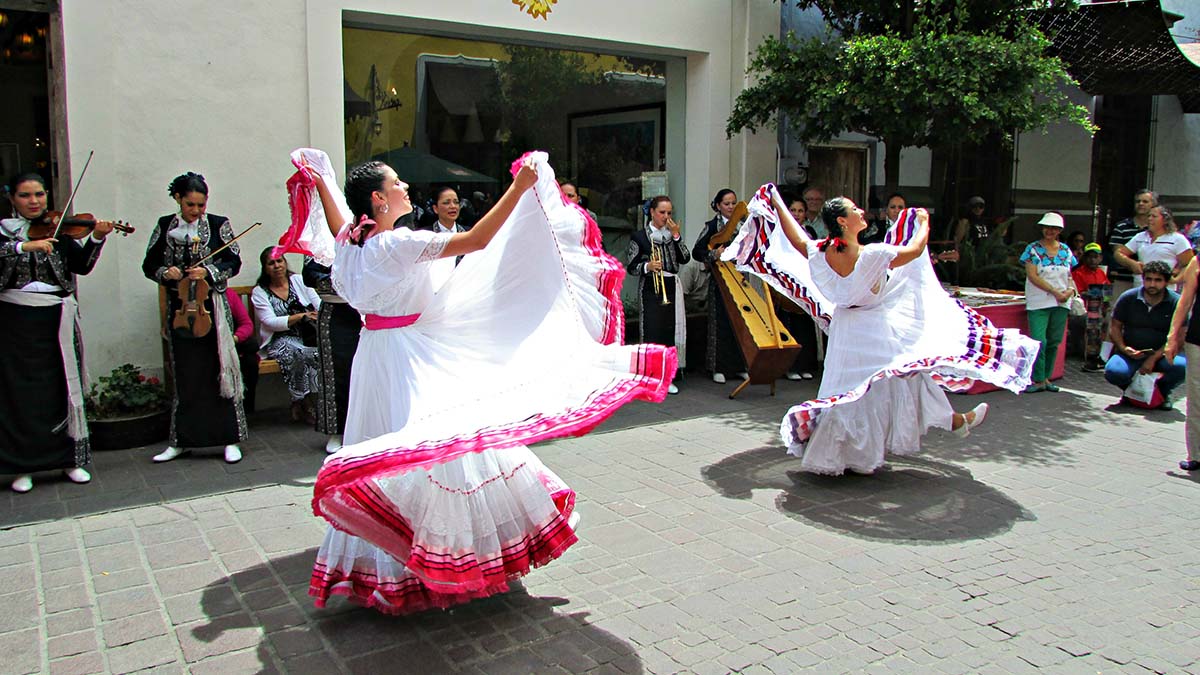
[{"x": 127, "y": 409}]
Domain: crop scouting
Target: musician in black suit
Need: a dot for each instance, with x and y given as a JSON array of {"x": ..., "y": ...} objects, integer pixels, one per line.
[
  {"x": 656, "y": 253},
  {"x": 723, "y": 354}
]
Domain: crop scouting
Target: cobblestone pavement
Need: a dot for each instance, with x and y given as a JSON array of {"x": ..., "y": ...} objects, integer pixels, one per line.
[{"x": 1057, "y": 537}]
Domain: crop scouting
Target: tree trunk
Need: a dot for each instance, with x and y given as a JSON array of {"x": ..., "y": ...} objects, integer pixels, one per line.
[{"x": 891, "y": 166}]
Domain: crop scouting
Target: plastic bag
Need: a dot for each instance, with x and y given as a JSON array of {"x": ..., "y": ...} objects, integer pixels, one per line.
[
  {"x": 1076, "y": 307},
  {"x": 1142, "y": 389}
]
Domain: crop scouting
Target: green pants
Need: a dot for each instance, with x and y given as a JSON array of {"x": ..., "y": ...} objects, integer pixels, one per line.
[{"x": 1047, "y": 327}]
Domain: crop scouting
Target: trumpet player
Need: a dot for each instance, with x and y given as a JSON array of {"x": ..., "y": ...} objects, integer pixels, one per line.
[{"x": 656, "y": 252}]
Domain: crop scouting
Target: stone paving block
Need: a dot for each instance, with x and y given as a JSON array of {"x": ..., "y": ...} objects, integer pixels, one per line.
[
  {"x": 214, "y": 601},
  {"x": 63, "y": 622},
  {"x": 128, "y": 602},
  {"x": 61, "y": 599},
  {"x": 107, "y": 582},
  {"x": 113, "y": 558},
  {"x": 190, "y": 577},
  {"x": 248, "y": 662},
  {"x": 222, "y": 635},
  {"x": 80, "y": 664},
  {"x": 71, "y": 645},
  {"x": 175, "y": 554},
  {"x": 292, "y": 642},
  {"x": 319, "y": 663},
  {"x": 21, "y": 650},
  {"x": 133, "y": 628},
  {"x": 432, "y": 661}
]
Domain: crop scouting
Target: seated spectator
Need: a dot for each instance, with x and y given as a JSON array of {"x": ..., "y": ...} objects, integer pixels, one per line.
[
  {"x": 1140, "y": 323},
  {"x": 287, "y": 317},
  {"x": 247, "y": 346}
]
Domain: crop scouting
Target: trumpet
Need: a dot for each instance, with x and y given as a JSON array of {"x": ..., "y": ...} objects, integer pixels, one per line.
[{"x": 660, "y": 280}]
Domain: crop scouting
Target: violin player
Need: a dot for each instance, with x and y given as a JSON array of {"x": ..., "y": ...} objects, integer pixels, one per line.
[
  {"x": 193, "y": 254},
  {"x": 44, "y": 427}
]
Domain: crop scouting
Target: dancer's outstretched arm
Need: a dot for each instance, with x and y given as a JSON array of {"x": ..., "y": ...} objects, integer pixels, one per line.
[
  {"x": 915, "y": 248},
  {"x": 332, "y": 215},
  {"x": 462, "y": 243},
  {"x": 791, "y": 229}
]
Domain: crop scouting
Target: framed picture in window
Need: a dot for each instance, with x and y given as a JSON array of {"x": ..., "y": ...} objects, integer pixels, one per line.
[{"x": 610, "y": 150}]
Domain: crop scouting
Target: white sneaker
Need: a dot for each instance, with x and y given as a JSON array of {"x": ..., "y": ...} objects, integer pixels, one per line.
[
  {"x": 78, "y": 475},
  {"x": 719, "y": 378},
  {"x": 793, "y": 376},
  {"x": 169, "y": 454},
  {"x": 233, "y": 454},
  {"x": 744, "y": 375},
  {"x": 806, "y": 376},
  {"x": 672, "y": 389},
  {"x": 333, "y": 444},
  {"x": 23, "y": 483}
]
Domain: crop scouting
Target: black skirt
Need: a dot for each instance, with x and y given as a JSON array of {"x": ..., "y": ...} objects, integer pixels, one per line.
[
  {"x": 338, "y": 328},
  {"x": 201, "y": 416},
  {"x": 33, "y": 394},
  {"x": 658, "y": 320}
]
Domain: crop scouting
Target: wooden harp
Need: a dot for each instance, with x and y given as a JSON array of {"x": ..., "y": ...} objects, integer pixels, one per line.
[{"x": 768, "y": 348}]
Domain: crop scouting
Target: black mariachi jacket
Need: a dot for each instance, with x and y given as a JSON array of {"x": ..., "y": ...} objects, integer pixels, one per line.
[
  {"x": 163, "y": 252},
  {"x": 70, "y": 257},
  {"x": 675, "y": 254}
]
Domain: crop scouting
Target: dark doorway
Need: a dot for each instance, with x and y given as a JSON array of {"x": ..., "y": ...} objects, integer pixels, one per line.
[
  {"x": 966, "y": 171},
  {"x": 26, "y": 138},
  {"x": 1120, "y": 152}
]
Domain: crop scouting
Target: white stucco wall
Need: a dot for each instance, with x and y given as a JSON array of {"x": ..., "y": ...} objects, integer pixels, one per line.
[
  {"x": 159, "y": 88},
  {"x": 1176, "y": 150},
  {"x": 1060, "y": 158}
]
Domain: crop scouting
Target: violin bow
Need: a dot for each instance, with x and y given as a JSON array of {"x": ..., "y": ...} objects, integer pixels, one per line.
[
  {"x": 227, "y": 245},
  {"x": 74, "y": 191}
]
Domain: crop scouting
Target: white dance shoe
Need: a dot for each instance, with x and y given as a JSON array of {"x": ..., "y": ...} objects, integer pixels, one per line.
[
  {"x": 719, "y": 378},
  {"x": 744, "y": 375},
  {"x": 573, "y": 521},
  {"x": 672, "y": 389},
  {"x": 333, "y": 444},
  {"x": 78, "y": 475},
  {"x": 233, "y": 454},
  {"x": 793, "y": 376},
  {"x": 169, "y": 454},
  {"x": 981, "y": 412},
  {"x": 23, "y": 484}
]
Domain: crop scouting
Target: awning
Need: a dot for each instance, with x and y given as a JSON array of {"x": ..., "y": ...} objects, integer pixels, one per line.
[
  {"x": 1124, "y": 48},
  {"x": 414, "y": 166}
]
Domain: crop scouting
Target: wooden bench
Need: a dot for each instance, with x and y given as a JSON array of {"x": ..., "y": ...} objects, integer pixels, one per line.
[{"x": 265, "y": 366}]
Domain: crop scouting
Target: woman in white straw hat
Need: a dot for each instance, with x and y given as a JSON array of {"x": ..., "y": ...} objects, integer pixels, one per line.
[{"x": 1048, "y": 290}]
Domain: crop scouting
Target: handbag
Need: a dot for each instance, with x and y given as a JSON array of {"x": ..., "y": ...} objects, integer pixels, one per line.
[
  {"x": 1143, "y": 392},
  {"x": 1076, "y": 306}
]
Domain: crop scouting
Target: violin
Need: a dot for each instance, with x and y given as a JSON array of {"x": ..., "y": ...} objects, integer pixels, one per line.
[
  {"x": 192, "y": 318},
  {"x": 52, "y": 224}
]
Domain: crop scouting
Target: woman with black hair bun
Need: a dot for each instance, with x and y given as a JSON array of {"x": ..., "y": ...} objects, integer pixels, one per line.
[
  {"x": 43, "y": 427},
  {"x": 436, "y": 498},
  {"x": 207, "y": 409},
  {"x": 895, "y": 338},
  {"x": 723, "y": 354}
]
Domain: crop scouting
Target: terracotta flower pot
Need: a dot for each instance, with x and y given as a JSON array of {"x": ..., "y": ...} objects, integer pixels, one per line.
[{"x": 135, "y": 431}]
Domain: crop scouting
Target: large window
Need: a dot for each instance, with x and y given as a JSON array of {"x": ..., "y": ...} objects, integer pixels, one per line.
[{"x": 447, "y": 111}]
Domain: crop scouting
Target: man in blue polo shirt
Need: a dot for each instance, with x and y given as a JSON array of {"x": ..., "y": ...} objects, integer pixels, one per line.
[{"x": 1140, "y": 322}]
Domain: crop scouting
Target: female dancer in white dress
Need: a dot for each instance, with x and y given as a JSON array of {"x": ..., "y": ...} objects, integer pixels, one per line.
[
  {"x": 435, "y": 499},
  {"x": 895, "y": 337}
]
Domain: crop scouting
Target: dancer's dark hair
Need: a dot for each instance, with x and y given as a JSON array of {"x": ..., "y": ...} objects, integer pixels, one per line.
[
  {"x": 721, "y": 195},
  {"x": 361, "y": 182},
  {"x": 186, "y": 184},
  {"x": 835, "y": 208}
]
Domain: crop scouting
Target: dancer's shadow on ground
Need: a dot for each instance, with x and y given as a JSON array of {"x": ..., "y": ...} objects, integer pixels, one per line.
[
  {"x": 911, "y": 499},
  {"x": 267, "y": 606}
]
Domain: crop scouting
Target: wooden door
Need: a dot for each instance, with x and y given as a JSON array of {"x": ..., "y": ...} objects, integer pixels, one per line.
[{"x": 839, "y": 171}]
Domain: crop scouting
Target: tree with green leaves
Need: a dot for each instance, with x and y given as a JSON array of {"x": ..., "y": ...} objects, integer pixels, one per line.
[{"x": 924, "y": 73}]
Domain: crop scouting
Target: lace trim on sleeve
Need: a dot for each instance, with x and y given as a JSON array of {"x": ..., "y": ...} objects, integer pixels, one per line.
[{"x": 433, "y": 250}]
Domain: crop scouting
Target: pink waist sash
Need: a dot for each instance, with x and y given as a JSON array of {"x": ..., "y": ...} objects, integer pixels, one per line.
[{"x": 377, "y": 322}]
